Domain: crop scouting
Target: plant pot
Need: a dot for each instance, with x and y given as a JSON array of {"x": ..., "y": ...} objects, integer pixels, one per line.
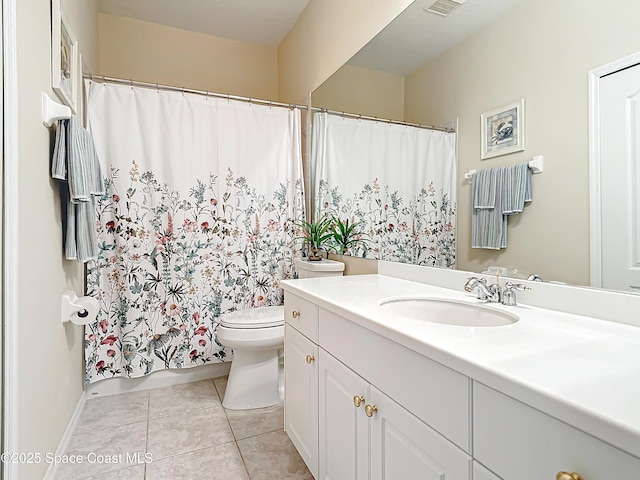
[{"x": 314, "y": 254}]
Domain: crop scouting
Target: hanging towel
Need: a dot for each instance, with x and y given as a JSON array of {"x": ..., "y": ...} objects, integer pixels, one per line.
[
  {"x": 497, "y": 193},
  {"x": 76, "y": 161}
]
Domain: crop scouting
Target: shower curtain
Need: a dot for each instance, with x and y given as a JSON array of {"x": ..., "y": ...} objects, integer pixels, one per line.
[
  {"x": 398, "y": 180},
  {"x": 196, "y": 221}
]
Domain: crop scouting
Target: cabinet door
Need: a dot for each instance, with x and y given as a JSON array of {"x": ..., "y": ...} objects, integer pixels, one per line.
[
  {"x": 517, "y": 441},
  {"x": 344, "y": 429},
  {"x": 481, "y": 473},
  {"x": 301, "y": 395},
  {"x": 404, "y": 447}
]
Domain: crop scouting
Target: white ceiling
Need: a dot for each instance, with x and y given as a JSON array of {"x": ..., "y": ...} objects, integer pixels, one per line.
[
  {"x": 265, "y": 22},
  {"x": 416, "y": 36},
  {"x": 409, "y": 42}
]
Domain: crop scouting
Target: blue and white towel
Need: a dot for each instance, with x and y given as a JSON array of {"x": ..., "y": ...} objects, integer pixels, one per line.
[
  {"x": 76, "y": 161},
  {"x": 497, "y": 193}
]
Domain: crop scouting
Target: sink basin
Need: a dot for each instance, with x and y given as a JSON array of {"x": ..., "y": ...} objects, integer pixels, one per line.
[{"x": 448, "y": 311}]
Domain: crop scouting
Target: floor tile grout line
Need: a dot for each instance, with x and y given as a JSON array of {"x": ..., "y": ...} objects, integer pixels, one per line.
[
  {"x": 261, "y": 433},
  {"x": 196, "y": 450},
  {"x": 244, "y": 462}
]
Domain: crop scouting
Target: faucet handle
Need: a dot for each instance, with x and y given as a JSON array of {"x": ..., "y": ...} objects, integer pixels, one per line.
[
  {"x": 509, "y": 294},
  {"x": 516, "y": 286},
  {"x": 497, "y": 274}
]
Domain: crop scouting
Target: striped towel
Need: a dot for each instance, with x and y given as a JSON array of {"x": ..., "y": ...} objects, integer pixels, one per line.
[
  {"x": 497, "y": 193},
  {"x": 76, "y": 161}
]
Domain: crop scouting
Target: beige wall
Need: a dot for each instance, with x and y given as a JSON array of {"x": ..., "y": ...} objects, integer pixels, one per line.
[
  {"x": 541, "y": 51},
  {"x": 155, "y": 53},
  {"x": 363, "y": 91},
  {"x": 50, "y": 363},
  {"x": 327, "y": 35}
]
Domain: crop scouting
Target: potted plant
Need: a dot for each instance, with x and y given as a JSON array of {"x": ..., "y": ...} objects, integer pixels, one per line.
[
  {"x": 315, "y": 236},
  {"x": 347, "y": 235}
]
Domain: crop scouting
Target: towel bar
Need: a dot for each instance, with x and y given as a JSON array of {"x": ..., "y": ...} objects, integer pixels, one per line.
[
  {"x": 536, "y": 165},
  {"x": 52, "y": 111}
]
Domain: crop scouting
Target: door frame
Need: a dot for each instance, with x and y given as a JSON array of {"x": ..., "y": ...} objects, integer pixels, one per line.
[
  {"x": 595, "y": 195},
  {"x": 10, "y": 240}
]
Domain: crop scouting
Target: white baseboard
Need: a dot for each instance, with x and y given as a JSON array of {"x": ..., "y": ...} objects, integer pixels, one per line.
[
  {"x": 66, "y": 437},
  {"x": 163, "y": 378}
]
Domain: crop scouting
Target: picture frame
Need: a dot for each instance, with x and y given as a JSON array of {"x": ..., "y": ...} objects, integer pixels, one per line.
[
  {"x": 64, "y": 58},
  {"x": 503, "y": 130}
]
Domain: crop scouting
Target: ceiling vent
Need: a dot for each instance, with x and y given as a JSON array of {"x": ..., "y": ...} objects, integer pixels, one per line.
[{"x": 444, "y": 7}]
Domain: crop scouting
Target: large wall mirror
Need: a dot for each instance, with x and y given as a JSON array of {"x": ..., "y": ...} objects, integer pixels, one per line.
[{"x": 430, "y": 69}]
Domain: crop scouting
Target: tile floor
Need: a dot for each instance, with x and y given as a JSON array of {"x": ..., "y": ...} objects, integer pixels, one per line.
[{"x": 185, "y": 433}]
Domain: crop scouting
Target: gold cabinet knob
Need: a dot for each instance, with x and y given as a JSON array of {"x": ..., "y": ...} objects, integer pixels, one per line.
[
  {"x": 358, "y": 400},
  {"x": 310, "y": 359},
  {"x": 568, "y": 476},
  {"x": 295, "y": 314},
  {"x": 369, "y": 410}
]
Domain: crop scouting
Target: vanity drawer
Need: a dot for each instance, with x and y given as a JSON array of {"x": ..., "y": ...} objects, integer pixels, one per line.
[
  {"x": 432, "y": 392},
  {"x": 518, "y": 441},
  {"x": 301, "y": 315}
]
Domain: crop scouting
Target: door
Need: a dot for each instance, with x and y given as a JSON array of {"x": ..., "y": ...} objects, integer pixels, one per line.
[
  {"x": 619, "y": 134},
  {"x": 404, "y": 447},
  {"x": 344, "y": 427},
  {"x": 301, "y": 395}
]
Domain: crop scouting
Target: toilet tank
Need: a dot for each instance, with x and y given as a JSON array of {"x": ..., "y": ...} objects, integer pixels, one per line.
[{"x": 322, "y": 268}]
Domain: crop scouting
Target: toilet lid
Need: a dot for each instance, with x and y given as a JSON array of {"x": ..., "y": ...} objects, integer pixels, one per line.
[{"x": 254, "y": 318}]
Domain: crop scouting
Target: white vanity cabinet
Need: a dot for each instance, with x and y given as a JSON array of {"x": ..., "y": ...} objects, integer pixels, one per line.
[
  {"x": 365, "y": 435},
  {"x": 301, "y": 379},
  {"x": 370, "y": 420},
  {"x": 517, "y": 441},
  {"x": 368, "y": 407}
]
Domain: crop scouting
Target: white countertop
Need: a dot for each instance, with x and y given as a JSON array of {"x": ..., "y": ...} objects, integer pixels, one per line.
[{"x": 580, "y": 370}]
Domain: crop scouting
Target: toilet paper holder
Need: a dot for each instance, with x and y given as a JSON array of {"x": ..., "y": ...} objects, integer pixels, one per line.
[{"x": 78, "y": 310}]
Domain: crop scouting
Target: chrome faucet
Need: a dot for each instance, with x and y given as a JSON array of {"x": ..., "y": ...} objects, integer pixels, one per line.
[
  {"x": 484, "y": 292},
  {"x": 493, "y": 293}
]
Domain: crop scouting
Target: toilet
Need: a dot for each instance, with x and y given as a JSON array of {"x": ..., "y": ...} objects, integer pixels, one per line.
[
  {"x": 315, "y": 269},
  {"x": 256, "y": 335}
]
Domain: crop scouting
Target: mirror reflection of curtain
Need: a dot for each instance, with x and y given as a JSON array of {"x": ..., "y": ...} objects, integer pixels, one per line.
[
  {"x": 399, "y": 180},
  {"x": 196, "y": 222}
]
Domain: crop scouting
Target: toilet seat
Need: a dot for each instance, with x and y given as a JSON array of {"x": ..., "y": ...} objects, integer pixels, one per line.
[{"x": 252, "y": 318}]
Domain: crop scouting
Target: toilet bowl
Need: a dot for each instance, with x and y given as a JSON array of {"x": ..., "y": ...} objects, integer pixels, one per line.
[{"x": 256, "y": 336}]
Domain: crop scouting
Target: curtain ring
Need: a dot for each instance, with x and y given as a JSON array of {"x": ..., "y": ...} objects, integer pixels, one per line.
[
  {"x": 207, "y": 96},
  {"x": 228, "y": 98},
  {"x": 270, "y": 104},
  {"x": 157, "y": 89},
  {"x": 183, "y": 91},
  {"x": 131, "y": 83}
]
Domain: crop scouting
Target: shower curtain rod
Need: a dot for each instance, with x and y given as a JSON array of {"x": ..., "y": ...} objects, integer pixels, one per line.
[
  {"x": 206, "y": 93},
  {"x": 156, "y": 86},
  {"x": 384, "y": 120}
]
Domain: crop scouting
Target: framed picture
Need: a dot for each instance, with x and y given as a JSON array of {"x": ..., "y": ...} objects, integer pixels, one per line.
[
  {"x": 502, "y": 130},
  {"x": 64, "y": 58}
]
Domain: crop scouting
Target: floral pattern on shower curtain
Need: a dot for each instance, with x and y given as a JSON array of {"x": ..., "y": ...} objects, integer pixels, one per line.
[
  {"x": 196, "y": 221},
  {"x": 398, "y": 180}
]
